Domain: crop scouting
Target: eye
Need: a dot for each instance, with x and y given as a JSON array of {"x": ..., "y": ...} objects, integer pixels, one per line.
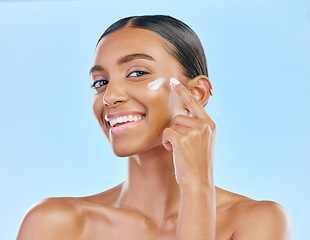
[
  {"x": 137, "y": 73},
  {"x": 99, "y": 83}
]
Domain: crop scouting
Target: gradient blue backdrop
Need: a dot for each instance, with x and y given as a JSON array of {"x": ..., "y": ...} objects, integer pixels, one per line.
[{"x": 258, "y": 56}]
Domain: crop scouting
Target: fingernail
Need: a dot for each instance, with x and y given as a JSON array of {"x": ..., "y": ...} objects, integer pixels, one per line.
[{"x": 174, "y": 81}]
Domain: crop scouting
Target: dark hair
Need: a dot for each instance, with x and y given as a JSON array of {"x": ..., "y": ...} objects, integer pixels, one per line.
[{"x": 185, "y": 45}]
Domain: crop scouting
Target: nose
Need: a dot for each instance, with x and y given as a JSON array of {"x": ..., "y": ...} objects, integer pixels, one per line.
[{"x": 115, "y": 94}]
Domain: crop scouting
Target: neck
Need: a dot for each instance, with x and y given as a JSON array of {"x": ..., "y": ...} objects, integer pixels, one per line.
[{"x": 150, "y": 187}]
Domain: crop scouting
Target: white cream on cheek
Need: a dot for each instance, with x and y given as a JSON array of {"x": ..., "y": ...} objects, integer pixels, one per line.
[{"x": 154, "y": 85}]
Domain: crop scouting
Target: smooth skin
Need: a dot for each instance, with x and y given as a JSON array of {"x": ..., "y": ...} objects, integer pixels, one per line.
[{"x": 169, "y": 191}]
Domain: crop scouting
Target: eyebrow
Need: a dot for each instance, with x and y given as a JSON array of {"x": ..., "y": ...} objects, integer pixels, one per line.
[
  {"x": 95, "y": 68},
  {"x": 131, "y": 57},
  {"x": 125, "y": 59}
]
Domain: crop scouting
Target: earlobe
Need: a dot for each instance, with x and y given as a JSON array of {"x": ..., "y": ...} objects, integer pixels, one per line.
[{"x": 201, "y": 89}]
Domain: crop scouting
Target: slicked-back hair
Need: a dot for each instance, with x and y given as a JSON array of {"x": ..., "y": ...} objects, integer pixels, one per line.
[{"x": 184, "y": 46}]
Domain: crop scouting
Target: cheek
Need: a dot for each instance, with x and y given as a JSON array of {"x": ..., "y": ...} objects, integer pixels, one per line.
[
  {"x": 156, "y": 84},
  {"x": 154, "y": 95},
  {"x": 159, "y": 99},
  {"x": 97, "y": 108},
  {"x": 168, "y": 97},
  {"x": 156, "y": 104}
]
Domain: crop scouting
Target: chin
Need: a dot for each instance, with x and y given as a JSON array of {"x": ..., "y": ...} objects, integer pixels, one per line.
[
  {"x": 125, "y": 150},
  {"x": 133, "y": 148}
]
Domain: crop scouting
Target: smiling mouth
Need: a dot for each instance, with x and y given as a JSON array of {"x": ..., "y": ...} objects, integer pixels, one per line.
[{"x": 125, "y": 122}]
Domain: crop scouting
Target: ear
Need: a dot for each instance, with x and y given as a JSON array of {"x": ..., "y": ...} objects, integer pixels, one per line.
[{"x": 201, "y": 88}]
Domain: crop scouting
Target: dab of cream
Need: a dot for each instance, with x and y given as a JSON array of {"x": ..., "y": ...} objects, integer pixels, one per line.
[{"x": 154, "y": 85}]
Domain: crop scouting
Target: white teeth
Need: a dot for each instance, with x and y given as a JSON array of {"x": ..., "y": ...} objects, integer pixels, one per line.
[
  {"x": 113, "y": 122},
  {"x": 119, "y": 120},
  {"x": 124, "y": 119}
]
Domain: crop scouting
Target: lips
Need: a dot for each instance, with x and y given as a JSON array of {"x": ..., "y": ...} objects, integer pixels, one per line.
[{"x": 119, "y": 122}]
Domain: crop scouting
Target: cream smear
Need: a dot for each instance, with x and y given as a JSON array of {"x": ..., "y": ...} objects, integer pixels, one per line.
[{"x": 154, "y": 85}]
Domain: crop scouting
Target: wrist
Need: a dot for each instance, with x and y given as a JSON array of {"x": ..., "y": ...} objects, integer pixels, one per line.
[
  {"x": 197, "y": 196},
  {"x": 195, "y": 187},
  {"x": 196, "y": 181}
]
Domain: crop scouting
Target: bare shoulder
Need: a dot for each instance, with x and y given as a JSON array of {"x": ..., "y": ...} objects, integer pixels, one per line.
[
  {"x": 67, "y": 217},
  {"x": 264, "y": 219},
  {"x": 53, "y": 218},
  {"x": 253, "y": 219}
]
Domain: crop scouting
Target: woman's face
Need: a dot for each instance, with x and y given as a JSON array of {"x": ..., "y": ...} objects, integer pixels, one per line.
[{"x": 132, "y": 114}]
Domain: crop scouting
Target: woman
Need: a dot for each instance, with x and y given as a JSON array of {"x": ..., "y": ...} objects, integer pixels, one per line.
[{"x": 151, "y": 83}]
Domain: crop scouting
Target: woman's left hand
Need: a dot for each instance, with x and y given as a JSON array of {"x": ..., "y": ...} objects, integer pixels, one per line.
[{"x": 192, "y": 141}]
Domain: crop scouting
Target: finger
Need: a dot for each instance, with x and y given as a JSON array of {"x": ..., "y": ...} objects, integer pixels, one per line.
[
  {"x": 182, "y": 130},
  {"x": 167, "y": 144},
  {"x": 190, "y": 101},
  {"x": 173, "y": 135},
  {"x": 168, "y": 138},
  {"x": 189, "y": 122}
]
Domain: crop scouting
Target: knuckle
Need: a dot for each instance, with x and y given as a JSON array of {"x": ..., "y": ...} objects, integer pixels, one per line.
[
  {"x": 208, "y": 127},
  {"x": 194, "y": 100},
  {"x": 203, "y": 125},
  {"x": 177, "y": 118},
  {"x": 173, "y": 127},
  {"x": 183, "y": 140},
  {"x": 195, "y": 133},
  {"x": 166, "y": 131},
  {"x": 213, "y": 125}
]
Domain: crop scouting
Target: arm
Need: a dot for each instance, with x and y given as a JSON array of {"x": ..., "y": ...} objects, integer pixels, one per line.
[
  {"x": 197, "y": 213},
  {"x": 192, "y": 142}
]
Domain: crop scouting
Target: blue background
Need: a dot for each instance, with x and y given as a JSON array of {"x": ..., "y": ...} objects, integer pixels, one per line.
[{"x": 258, "y": 56}]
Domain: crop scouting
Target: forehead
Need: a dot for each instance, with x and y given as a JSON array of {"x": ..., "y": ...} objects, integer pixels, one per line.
[{"x": 129, "y": 40}]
